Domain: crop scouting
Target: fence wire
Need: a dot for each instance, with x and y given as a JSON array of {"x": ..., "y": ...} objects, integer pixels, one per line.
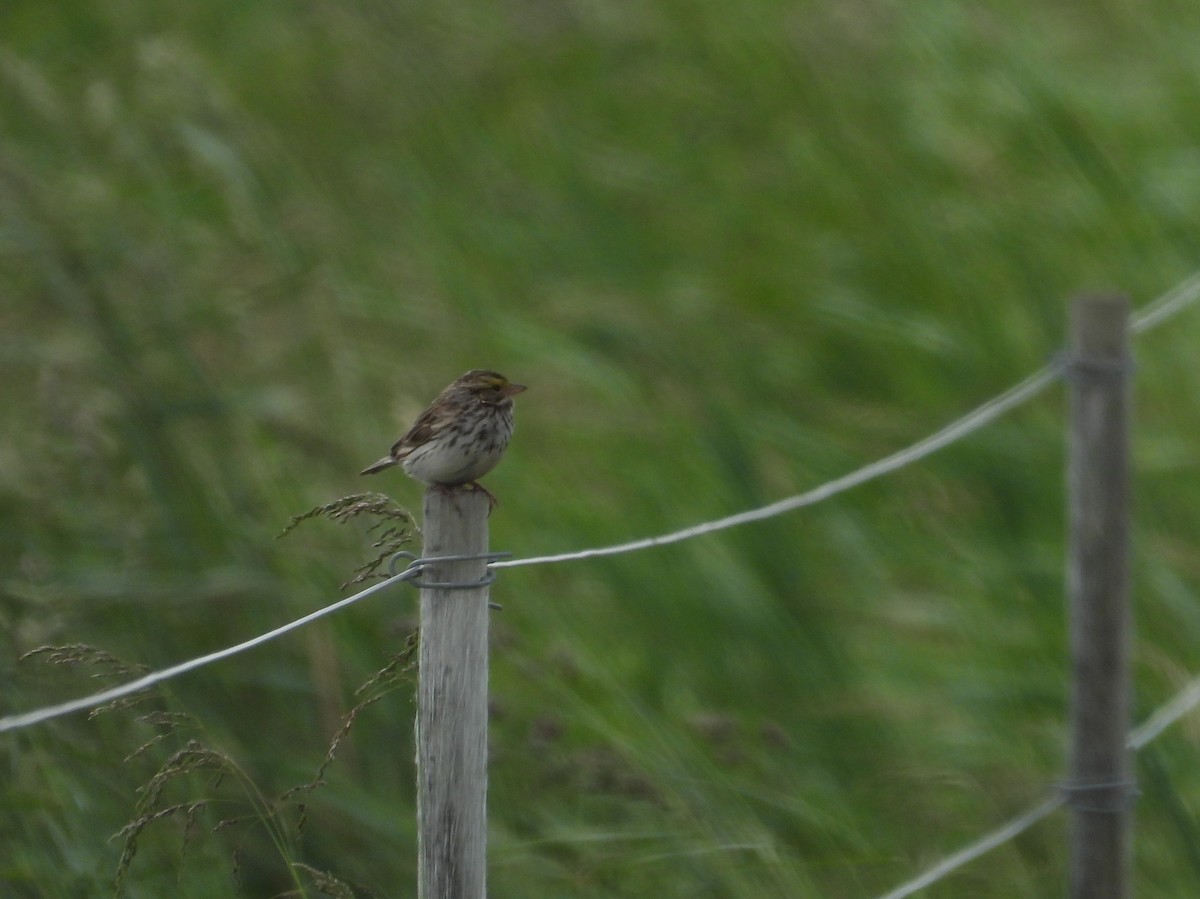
[
  {"x": 982, "y": 846},
  {"x": 979, "y": 417},
  {"x": 1167, "y": 306},
  {"x": 27, "y": 719}
]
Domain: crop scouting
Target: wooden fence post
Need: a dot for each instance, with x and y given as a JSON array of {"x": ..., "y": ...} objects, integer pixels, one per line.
[
  {"x": 452, "y": 696},
  {"x": 1099, "y": 787}
]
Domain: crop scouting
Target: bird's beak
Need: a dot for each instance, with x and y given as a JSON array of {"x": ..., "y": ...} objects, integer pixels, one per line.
[{"x": 512, "y": 389}]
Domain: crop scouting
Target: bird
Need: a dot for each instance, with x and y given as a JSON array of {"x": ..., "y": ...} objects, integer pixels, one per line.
[{"x": 461, "y": 436}]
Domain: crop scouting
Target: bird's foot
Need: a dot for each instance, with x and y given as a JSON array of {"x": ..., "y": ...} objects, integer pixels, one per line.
[{"x": 492, "y": 501}]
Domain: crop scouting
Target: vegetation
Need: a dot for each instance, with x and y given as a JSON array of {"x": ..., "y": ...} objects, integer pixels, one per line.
[{"x": 734, "y": 249}]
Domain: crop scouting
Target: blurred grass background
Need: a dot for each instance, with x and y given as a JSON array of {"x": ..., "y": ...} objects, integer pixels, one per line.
[{"x": 734, "y": 250}]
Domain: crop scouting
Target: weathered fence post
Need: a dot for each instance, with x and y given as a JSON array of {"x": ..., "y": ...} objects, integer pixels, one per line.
[
  {"x": 1099, "y": 787},
  {"x": 452, "y": 709}
]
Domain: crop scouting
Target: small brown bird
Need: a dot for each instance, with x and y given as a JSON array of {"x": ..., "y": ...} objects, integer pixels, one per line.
[{"x": 461, "y": 436}]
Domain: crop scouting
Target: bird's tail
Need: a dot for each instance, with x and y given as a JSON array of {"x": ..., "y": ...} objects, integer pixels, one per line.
[{"x": 385, "y": 462}]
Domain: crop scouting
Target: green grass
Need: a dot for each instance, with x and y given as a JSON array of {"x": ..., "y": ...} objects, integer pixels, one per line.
[{"x": 735, "y": 250}]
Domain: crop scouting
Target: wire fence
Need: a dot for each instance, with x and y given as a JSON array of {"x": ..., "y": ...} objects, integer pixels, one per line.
[
  {"x": 1150, "y": 316},
  {"x": 956, "y": 430}
]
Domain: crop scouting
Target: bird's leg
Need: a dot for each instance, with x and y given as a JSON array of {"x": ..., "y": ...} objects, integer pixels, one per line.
[{"x": 492, "y": 501}]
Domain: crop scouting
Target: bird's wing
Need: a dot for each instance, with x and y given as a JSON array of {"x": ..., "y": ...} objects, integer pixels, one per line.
[{"x": 431, "y": 423}]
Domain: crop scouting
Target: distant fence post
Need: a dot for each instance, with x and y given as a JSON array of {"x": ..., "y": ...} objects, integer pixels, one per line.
[
  {"x": 452, "y": 709},
  {"x": 1099, "y": 787}
]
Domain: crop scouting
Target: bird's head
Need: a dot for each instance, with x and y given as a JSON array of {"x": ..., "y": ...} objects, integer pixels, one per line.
[{"x": 488, "y": 386}]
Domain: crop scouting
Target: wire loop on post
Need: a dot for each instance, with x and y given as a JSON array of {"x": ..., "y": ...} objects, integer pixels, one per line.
[
  {"x": 1091, "y": 365},
  {"x": 417, "y": 566},
  {"x": 1106, "y": 797}
]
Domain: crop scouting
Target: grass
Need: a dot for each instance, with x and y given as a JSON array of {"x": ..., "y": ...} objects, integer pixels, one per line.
[{"x": 735, "y": 250}]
